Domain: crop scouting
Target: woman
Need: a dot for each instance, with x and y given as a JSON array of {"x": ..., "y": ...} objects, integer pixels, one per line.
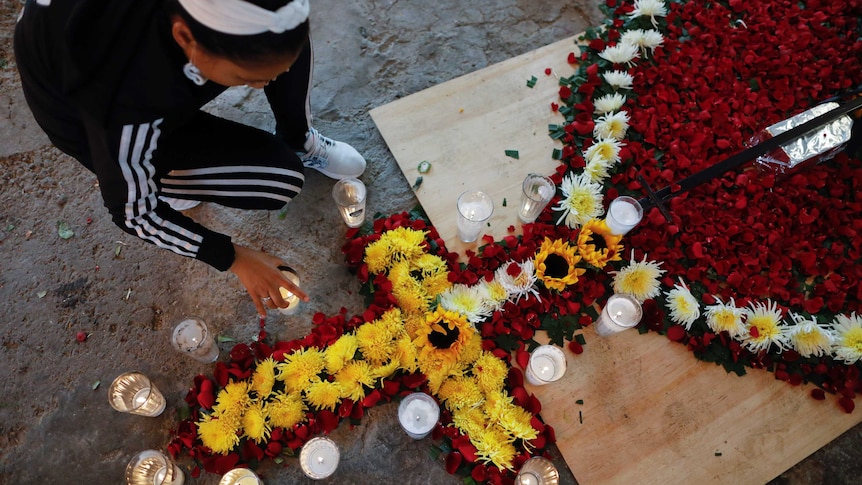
[{"x": 119, "y": 87}]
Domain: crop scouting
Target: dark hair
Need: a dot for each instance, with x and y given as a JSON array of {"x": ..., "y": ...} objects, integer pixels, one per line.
[{"x": 245, "y": 49}]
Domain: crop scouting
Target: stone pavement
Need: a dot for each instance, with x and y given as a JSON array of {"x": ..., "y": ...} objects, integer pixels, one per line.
[{"x": 55, "y": 428}]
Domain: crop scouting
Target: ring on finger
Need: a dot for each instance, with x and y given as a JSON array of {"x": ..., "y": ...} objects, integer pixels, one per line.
[{"x": 265, "y": 299}]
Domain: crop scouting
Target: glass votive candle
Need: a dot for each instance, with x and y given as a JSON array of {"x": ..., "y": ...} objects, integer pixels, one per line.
[
  {"x": 292, "y": 300},
  {"x": 319, "y": 458},
  {"x": 474, "y": 209},
  {"x": 133, "y": 393},
  {"x": 621, "y": 312},
  {"x": 547, "y": 364},
  {"x": 151, "y": 467},
  {"x": 624, "y": 214},
  {"x": 538, "y": 471},
  {"x": 240, "y": 476},
  {"x": 192, "y": 337},
  {"x": 349, "y": 195},
  {"x": 536, "y": 191},
  {"x": 418, "y": 414}
]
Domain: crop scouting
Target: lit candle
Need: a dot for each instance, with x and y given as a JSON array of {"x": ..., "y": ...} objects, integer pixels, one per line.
[
  {"x": 133, "y": 393},
  {"x": 418, "y": 414},
  {"x": 538, "y": 471},
  {"x": 151, "y": 467},
  {"x": 240, "y": 476},
  {"x": 547, "y": 364},
  {"x": 319, "y": 458},
  {"x": 624, "y": 214},
  {"x": 621, "y": 312},
  {"x": 291, "y": 299}
]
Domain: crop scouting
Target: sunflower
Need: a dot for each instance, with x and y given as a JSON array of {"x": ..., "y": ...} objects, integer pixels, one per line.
[
  {"x": 764, "y": 327},
  {"x": 581, "y": 201},
  {"x": 444, "y": 336},
  {"x": 555, "y": 264},
  {"x": 809, "y": 338},
  {"x": 597, "y": 246},
  {"x": 848, "y": 338},
  {"x": 219, "y": 435},
  {"x": 285, "y": 410},
  {"x": 263, "y": 378},
  {"x": 396, "y": 245},
  {"x": 639, "y": 279}
]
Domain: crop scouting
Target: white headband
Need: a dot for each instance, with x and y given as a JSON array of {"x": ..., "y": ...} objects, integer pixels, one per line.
[{"x": 238, "y": 17}]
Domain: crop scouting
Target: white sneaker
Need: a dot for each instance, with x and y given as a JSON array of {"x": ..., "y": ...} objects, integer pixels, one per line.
[
  {"x": 335, "y": 159},
  {"x": 180, "y": 204}
]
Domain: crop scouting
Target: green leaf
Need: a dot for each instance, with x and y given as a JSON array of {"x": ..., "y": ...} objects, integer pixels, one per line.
[
  {"x": 531, "y": 82},
  {"x": 96, "y": 385},
  {"x": 504, "y": 202},
  {"x": 222, "y": 339},
  {"x": 42, "y": 294},
  {"x": 183, "y": 412},
  {"x": 64, "y": 230},
  {"x": 513, "y": 153},
  {"x": 579, "y": 401},
  {"x": 417, "y": 183},
  {"x": 424, "y": 166}
]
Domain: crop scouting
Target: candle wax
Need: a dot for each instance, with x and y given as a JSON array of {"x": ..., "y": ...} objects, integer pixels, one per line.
[
  {"x": 419, "y": 416},
  {"x": 141, "y": 397},
  {"x": 622, "y": 311},
  {"x": 544, "y": 367},
  {"x": 625, "y": 213}
]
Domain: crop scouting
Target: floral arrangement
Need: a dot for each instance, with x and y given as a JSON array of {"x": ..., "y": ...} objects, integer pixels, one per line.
[{"x": 754, "y": 270}]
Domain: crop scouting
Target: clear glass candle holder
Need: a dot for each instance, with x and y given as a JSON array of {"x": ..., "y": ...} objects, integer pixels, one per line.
[
  {"x": 418, "y": 414},
  {"x": 621, "y": 312},
  {"x": 319, "y": 458},
  {"x": 536, "y": 191},
  {"x": 624, "y": 214},
  {"x": 474, "y": 210},
  {"x": 151, "y": 467},
  {"x": 133, "y": 393},
  {"x": 547, "y": 364},
  {"x": 349, "y": 195},
  {"x": 240, "y": 476},
  {"x": 538, "y": 471},
  {"x": 292, "y": 300},
  {"x": 192, "y": 337}
]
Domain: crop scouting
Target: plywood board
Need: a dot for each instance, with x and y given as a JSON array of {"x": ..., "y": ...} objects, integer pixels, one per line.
[{"x": 652, "y": 413}]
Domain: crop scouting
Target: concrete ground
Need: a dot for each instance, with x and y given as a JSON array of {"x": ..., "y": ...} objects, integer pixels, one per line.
[{"x": 55, "y": 424}]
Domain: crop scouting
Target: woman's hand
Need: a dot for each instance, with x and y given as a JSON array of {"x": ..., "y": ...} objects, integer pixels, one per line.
[{"x": 259, "y": 273}]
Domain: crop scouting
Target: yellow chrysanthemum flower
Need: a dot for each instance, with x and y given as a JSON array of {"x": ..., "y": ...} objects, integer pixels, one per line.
[
  {"x": 639, "y": 279},
  {"x": 285, "y": 410},
  {"x": 340, "y": 352},
  {"x": 460, "y": 392},
  {"x": 555, "y": 264},
  {"x": 217, "y": 434},
  {"x": 301, "y": 368},
  {"x": 472, "y": 350},
  {"x": 353, "y": 379},
  {"x": 413, "y": 322},
  {"x": 471, "y": 421},
  {"x": 517, "y": 422},
  {"x": 597, "y": 245},
  {"x": 494, "y": 445},
  {"x": 405, "y": 354},
  {"x": 407, "y": 290},
  {"x": 725, "y": 317},
  {"x": 432, "y": 273},
  {"x": 808, "y": 337},
  {"x": 496, "y": 403},
  {"x": 323, "y": 395},
  {"x": 385, "y": 370},
  {"x": 848, "y": 338},
  {"x": 438, "y": 370},
  {"x": 396, "y": 245},
  {"x": 764, "y": 327},
  {"x": 490, "y": 372},
  {"x": 375, "y": 340},
  {"x": 233, "y": 399},
  {"x": 254, "y": 423},
  {"x": 263, "y": 378}
]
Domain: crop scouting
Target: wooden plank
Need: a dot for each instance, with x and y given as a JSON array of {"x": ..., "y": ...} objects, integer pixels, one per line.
[
  {"x": 464, "y": 126},
  {"x": 652, "y": 413}
]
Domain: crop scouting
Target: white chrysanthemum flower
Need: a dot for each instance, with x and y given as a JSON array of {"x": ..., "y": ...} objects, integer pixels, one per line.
[
  {"x": 518, "y": 283},
  {"x": 608, "y": 103},
  {"x": 466, "y": 300},
  {"x": 606, "y": 149},
  {"x": 581, "y": 201},
  {"x": 619, "y": 79},
  {"x": 612, "y": 126},
  {"x": 848, "y": 338},
  {"x": 809, "y": 338},
  {"x": 649, "y": 8},
  {"x": 620, "y": 53},
  {"x": 764, "y": 327},
  {"x": 684, "y": 307},
  {"x": 494, "y": 293},
  {"x": 646, "y": 40},
  {"x": 639, "y": 279},
  {"x": 725, "y": 317},
  {"x": 598, "y": 168}
]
